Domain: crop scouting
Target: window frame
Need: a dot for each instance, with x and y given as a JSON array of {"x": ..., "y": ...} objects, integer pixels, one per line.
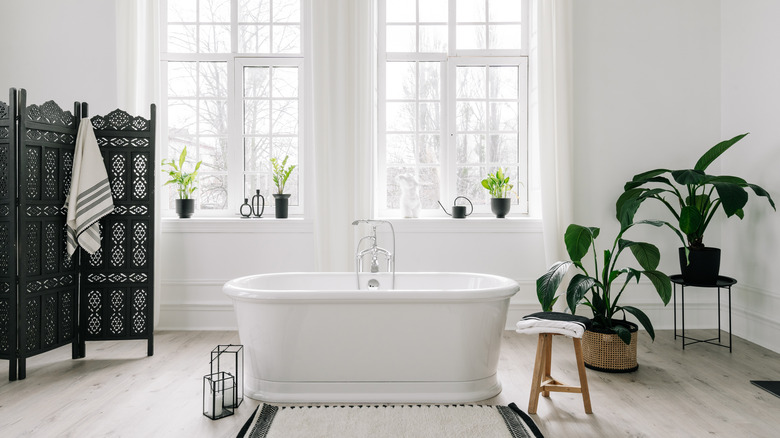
[
  {"x": 448, "y": 62},
  {"x": 235, "y": 60}
]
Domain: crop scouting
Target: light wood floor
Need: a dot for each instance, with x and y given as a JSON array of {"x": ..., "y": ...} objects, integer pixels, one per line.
[{"x": 117, "y": 391}]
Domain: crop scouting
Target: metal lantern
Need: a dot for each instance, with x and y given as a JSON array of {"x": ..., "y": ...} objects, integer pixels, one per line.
[
  {"x": 230, "y": 358},
  {"x": 218, "y": 390}
]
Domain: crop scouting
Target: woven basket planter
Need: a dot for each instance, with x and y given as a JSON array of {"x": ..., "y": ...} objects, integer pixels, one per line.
[{"x": 603, "y": 350}]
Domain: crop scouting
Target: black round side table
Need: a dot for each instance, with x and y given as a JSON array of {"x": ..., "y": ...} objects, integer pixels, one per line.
[{"x": 721, "y": 283}]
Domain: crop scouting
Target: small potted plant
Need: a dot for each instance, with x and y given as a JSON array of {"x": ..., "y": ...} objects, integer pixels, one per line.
[
  {"x": 498, "y": 186},
  {"x": 185, "y": 182},
  {"x": 600, "y": 290},
  {"x": 280, "y": 174},
  {"x": 693, "y": 197}
]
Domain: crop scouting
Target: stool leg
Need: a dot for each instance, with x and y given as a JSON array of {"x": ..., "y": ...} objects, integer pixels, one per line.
[
  {"x": 583, "y": 376},
  {"x": 536, "y": 380},
  {"x": 547, "y": 375}
]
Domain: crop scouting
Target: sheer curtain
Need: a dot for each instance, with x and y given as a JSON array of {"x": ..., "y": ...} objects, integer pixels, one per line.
[
  {"x": 555, "y": 132},
  {"x": 342, "y": 78},
  {"x": 138, "y": 85}
]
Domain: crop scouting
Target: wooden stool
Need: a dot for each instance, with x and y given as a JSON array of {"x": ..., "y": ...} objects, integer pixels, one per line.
[{"x": 543, "y": 382}]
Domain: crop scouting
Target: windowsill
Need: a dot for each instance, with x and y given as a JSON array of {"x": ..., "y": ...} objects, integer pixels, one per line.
[
  {"x": 481, "y": 224},
  {"x": 236, "y": 225}
]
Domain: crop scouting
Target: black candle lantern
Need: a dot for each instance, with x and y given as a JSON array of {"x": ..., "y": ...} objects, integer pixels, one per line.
[
  {"x": 246, "y": 209},
  {"x": 230, "y": 358},
  {"x": 219, "y": 395},
  {"x": 257, "y": 207}
]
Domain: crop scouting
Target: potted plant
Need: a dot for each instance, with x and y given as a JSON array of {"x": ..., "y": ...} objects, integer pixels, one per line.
[
  {"x": 280, "y": 174},
  {"x": 498, "y": 186},
  {"x": 185, "y": 181},
  {"x": 693, "y": 197},
  {"x": 610, "y": 344}
]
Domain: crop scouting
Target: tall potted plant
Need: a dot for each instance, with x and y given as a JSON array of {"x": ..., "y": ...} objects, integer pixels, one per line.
[
  {"x": 497, "y": 184},
  {"x": 693, "y": 197},
  {"x": 279, "y": 175},
  {"x": 185, "y": 183},
  {"x": 600, "y": 289}
]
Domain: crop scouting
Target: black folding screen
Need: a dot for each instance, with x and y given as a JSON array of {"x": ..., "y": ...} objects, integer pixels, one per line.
[{"x": 53, "y": 299}]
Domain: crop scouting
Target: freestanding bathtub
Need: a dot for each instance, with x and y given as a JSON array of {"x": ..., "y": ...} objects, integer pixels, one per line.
[{"x": 316, "y": 337}]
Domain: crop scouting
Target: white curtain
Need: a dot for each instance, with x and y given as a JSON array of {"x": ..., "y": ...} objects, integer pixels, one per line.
[
  {"x": 138, "y": 85},
  {"x": 342, "y": 74},
  {"x": 555, "y": 132}
]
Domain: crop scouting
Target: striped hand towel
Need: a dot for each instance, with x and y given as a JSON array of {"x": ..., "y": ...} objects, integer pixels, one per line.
[{"x": 89, "y": 198}]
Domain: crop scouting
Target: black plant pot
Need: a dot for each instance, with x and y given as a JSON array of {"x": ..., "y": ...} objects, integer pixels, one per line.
[
  {"x": 281, "y": 204},
  {"x": 500, "y": 206},
  {"x": 185, "y": 208},
  {"x": 703, "y": 265}
]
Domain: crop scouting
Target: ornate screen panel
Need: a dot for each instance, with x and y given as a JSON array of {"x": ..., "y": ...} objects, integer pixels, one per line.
[
  {"x": 48, "y": 277},
  {"x": 8, "y": 234},
  {"x": 117, "y": 281}
]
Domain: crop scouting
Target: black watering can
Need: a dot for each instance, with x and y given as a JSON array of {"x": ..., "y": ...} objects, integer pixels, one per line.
[{"x": 458, "y": 211}]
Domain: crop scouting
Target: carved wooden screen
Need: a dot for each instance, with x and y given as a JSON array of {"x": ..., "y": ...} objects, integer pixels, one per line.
[
  {"x": 117, "y": 281},
  {"x": 48, "y": 277},
  {"x": 8, "y": 235}
]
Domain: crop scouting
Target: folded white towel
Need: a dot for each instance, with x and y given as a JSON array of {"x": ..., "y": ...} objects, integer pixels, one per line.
[
  {"x": 89, "y": 198},
  {"x": 566, "y": 328}
]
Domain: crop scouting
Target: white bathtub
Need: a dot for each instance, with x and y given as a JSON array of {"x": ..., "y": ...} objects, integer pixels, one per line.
[{"x": 314, "y": 337}]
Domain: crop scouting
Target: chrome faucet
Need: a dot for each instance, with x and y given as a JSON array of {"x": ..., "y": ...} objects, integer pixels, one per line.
[{"x": 374, "y": 251}]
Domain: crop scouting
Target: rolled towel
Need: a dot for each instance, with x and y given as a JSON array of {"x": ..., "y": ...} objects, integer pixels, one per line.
[{"x": 560, "y": 323}]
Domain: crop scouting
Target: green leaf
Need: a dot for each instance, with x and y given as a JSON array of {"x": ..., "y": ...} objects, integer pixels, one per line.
[
  {"x": 649, "y": 175},
  {"x": 690, "y": 219},
  {"x": 761, "y": 192},
  {"x": 662, "y": 284},
  {"x": 646, "y": 254},
  {"x": 714, "y": 152},
  {"x": 627, "y": 205},
  {"x": 623, "y": 333},
  {"x": 642, "y": 318},
  {"x": 547, "y": 284},
  {"x": 578, "y": 286},
  {"x": 732, "y": 196},
  {"x": 688, "y": 176},
  {"x": 578, "y": 240}
]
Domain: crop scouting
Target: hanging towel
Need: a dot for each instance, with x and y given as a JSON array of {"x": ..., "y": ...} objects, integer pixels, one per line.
[{"x": 89, "y": 198}]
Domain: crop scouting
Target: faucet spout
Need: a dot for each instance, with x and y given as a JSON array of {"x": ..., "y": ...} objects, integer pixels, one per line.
[{"x": 374, "y": 250}]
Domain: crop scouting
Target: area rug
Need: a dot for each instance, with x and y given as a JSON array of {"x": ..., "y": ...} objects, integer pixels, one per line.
[
  {"x": 390, "y": 421},
  {"x": 771, "y": 386}
]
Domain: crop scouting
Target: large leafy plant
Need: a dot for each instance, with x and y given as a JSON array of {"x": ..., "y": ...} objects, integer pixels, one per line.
[
  {"x": 600, "y": 289},
  {"x": 691, "y": 195},
  {"x": 280, "y": 173},
  {"x": 497, "y": 184},
  {"x": 185, "y": 181}
]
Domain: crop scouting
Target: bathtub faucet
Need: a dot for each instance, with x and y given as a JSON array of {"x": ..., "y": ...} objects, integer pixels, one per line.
[{"x": 374, "y": 250}]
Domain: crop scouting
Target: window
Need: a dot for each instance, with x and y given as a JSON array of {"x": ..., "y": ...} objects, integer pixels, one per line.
[
  {"x": 234, "y": 71},
  {"x": 452, "y": 99}
]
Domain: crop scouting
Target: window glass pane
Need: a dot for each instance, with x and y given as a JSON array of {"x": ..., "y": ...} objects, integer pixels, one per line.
[
  {"x": 286, "y": 38},
  {"x": 393, "y": 189},
  {"x": 254, "y": 39},
  {"x": 181, "y": 118},
  {"x": 400, "y": 116},
  {"x": 470, "y": 148},
  {"x": 284, "y": 116},
  {"x": 181, "y": 79},
  {"x": 255, "y": 11},
  {"x": 213, "y": 79},
  {"x": 400, "y": 11},
  {"x": 262, "y": 182},
  {"x": 214, "y": 38},
  {"x": 181, "y": 10},
  {"x": 505, "y": 36},
  {"x": 214, "y": 11},
  {"x": 256, "y": 81},
  {"x": 213, "y": 117},
  {"x": 257, "y": 152},
  {"x": 287, "y": 11},
  {"x": 182, "y": 38},
  {"x": 470, "y": 11},
  {"x": 433, "y": 38},
  {"x": 468, "y": 183},
  {"x": 257, "y": 116},
  {"x": 429, "y": 117},
  {"x": 399, "y": 148},
  {"x": 503, "y": 116},
  {"x": 212, "y": 192},
  {"x": 428, "y": 149},
  {"x": 505, "y": 10},
  {"x": 430, "y": 182},
  {"x": 470, "y": 37},
  {"x": 213, "y": 152},
  {"x": 285, "y": 82},
  {"x": 430, "y": 80},
  {"x": 503, "y": 148},
  {"x": 503, "y": 82},
  {"x": 285, "y": 147},
  {"x": 470, "y": 82},
  {"x": 400, "y": 80},
  {"x": 434, "y": 11},
  {"x": 401, "y": 38},
  {"x": 470, "y": 116}
]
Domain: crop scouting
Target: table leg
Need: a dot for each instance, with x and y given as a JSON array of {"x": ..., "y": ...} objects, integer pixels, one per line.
[
  {"x": 674, "y": 291},
  {"x": 682, "y": 309},
  {"x": 729, "y": 319},
  {"x": 718, "y": 315}
]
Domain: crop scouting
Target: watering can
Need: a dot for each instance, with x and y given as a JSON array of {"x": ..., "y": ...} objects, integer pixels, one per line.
[{"x": 458, "y": 211}]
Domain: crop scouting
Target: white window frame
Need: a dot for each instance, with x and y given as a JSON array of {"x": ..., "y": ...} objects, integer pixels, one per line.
[
  {"x": 448, "y": 63},
  {"x": 235, "y": 63}
]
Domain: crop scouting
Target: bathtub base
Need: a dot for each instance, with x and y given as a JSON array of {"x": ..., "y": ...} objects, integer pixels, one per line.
[{"x": 372, "y": 392}]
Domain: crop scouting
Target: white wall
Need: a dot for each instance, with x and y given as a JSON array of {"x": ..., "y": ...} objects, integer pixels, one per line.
[{"x": 751, "y": 103}]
